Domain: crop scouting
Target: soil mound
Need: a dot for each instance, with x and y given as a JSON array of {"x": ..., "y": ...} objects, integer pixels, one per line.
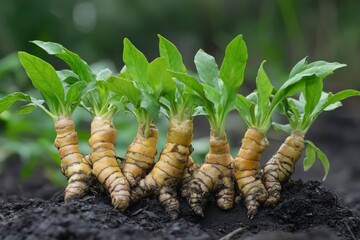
[{"x": 306, "y": 211}]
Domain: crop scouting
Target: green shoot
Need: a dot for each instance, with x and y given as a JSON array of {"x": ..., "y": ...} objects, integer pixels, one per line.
[
  {"x": 302, "y": 112},
  {"x": 142, "y": 83},
  {"x": 178, "y": 99},
  {"x": 77, "y": 65},
  {"x": 60, "y": 99},
  {"x": 96, "y": 97},
  {"x": 257, "y": 108},
  {"x": 216, "y": 91}
]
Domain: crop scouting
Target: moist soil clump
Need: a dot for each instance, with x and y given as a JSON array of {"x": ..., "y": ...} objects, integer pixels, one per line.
[{"x": 306, "y": 211}]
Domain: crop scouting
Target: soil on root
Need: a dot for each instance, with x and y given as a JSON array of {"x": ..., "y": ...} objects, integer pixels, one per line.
[{"x": 306, "y": 211}]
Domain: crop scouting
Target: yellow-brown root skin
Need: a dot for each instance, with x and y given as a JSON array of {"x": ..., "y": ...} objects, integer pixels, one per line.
[
  {"x": 140, "y": 155},
  {"x": 214, "y": 175},
  {"x": 281, "y": 166},
  {"x": 73, "y": 166},
  {"x": 246, "y": 168},
  {"x": 105, "y": 166},
  {"x": 190, "y": 168},
  {"x": 168, "y": 171}
]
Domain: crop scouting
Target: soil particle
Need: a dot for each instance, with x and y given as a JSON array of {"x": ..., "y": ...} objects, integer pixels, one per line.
[{"x": 306, "y": 211}]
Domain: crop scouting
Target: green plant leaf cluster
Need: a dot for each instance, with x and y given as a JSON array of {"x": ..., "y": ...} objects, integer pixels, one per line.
[
  {"x": 150, "y": 87},
  {"x": 304, "y": 110},
  {"x": 312, "y": 101},
  {"x": 146, "y": 88},
  {"x": 142, "y": 83},
  {"x": 302, "y": 113},
  {"x": 77, "y": 65},
  {"x": 257, "y": 108},
  {"x": 62, "y": 91},
  {"x": 83, "y": 83},
  {"x": 216, "y": 89},
  {"x": 180, "y": 100}
]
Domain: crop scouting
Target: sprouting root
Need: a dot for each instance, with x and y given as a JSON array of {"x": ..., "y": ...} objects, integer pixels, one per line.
[
  {"x": 73, "y": 165},
  {"x": 214, "y": 175},
  {"x": 246, "y": 169},
  {"x": 168, "y": 171},
  {"x": 105, "y": 166},
  {"x": 140, "y": 155},
  {"x": 281, "y": 166}
]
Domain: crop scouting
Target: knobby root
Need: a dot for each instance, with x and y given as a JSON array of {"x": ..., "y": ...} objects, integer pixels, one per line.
[
  {"x": 246, "y": 170},
  {"x": 140, "y": 155},
  {"x": 105, "y": 166},
  {"x": 214, "y": 175},
  {"x": 167, "y": 173},
  {"x": 73, "y": 165},
  {"x": 281, "y": 166}
]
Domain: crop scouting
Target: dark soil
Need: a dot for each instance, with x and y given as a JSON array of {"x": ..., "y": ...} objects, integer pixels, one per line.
[{"x": 307, "y": 211}]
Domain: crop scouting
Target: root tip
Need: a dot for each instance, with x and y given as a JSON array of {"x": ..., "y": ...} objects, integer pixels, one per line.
[
  {"x": 71, "y": 195},
  {"x": 198, "y": 211},
  {"x": 272, "y": 201},
  {"x": 174, "y": 215},
  {"x": 120, "y": 204},
  {"x": 252, "y": 211}
]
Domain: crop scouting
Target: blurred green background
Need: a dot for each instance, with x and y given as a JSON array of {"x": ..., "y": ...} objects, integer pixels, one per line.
[{"x": 282, "y": 32}]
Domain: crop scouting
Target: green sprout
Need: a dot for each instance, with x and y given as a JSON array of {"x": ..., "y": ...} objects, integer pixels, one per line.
[{"x": 301, "y": 114}]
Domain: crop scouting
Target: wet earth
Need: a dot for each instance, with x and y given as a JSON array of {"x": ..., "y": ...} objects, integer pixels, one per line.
[{"x": 309, "y": 209}]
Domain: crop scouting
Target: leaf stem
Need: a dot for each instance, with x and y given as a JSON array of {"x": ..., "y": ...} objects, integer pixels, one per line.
[{"x": 53, "y": 116}]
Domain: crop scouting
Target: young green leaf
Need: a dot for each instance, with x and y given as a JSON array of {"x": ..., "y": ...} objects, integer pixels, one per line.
[
  {"x": 330, "y": 102},
  {"x": 313, "y": 91},
  {"x": 136, "y": 63},
  {"x": 314, "y": 153},
  {"x": 304, "y": 72},
  {"x": 234, "y": 63},
  {"x": 35, "y": 103},
  {"x": 74, "y": 94},
  {"x": 45, "y": 79},
  {"x": 227, "y": 99},
  {"x": 322, "y": 69},
  {"x": 300, "y": 66},
  {"x": 332, "y": 106},
  {"x": 207, "y": 69},
  {"x": 171, "y": 54},
  {"x": 321, "y": 105},
  {"x": 337, "y": 97},
  {"x": 243, "y": 105},
  {"x": 26, "y": 109},
  {"x": 212, "y": 94},
  {"x": 102, "y": 94},
  {"x": 151, "y": 105},
  {"x": 190, "y": 82},
  {"x": 264, "y": 90},
  {"x": 160, "y": 79},
  {"x": 76, "y": 64},
  {"x": 294, "y": 111},
  {"x": 103, "y": 74},
  {"x": 324, "y": 160},
  {"x": 7, "y": 101},
  {"x": 282, "y": 127},
  {"x": 125, "y": 87},
  {"x": 310, "y": 157},
  {"x": 67, "y": 76},
  {"x": 199, "y": 111},
  {"x": 43, "y": 75}
]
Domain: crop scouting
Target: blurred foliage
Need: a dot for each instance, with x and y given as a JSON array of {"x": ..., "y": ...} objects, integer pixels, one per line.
[{"x": 281, "y": 31}]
